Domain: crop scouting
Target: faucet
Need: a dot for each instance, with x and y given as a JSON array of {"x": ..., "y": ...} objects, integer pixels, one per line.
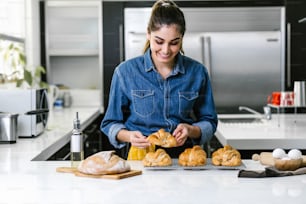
[
  {"x": 241, "y": 108},
  {"x": 267, "y": 111}
]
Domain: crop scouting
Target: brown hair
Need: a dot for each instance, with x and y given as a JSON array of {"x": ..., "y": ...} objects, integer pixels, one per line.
[{"x": 165, "y": 12}]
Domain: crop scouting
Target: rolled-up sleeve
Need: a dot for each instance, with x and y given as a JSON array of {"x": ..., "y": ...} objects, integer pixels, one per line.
[
  {"x": 113, "y": 122},
  {"x": 205, "y": 112}
]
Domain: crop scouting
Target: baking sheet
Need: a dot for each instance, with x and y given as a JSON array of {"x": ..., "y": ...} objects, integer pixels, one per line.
[{"x": 207, "y": 166}]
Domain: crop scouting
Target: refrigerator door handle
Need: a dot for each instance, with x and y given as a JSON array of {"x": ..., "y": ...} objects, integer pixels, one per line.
[
  {"x": 121, "y": 48},
  {"x": 206, "y": 53},
  {"x": 288, "y": 55}
]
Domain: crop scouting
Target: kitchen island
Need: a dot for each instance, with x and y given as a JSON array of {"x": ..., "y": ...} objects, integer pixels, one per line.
[
  {"x": 23, "y": 180},
  {"x": 283, "y": 130},
  {"x": 38, "y": 182}
]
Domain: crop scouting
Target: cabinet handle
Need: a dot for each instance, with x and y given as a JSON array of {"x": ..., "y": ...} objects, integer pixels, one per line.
[
  {"x": 302, "y": 20},
  {"x": 288, "y": 55}
]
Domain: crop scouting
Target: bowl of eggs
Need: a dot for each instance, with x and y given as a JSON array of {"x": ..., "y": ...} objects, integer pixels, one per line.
[{"x": 287, "y": 162}]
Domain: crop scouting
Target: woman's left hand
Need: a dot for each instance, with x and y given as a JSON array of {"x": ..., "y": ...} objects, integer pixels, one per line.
[{"x": 183, "y": 131}]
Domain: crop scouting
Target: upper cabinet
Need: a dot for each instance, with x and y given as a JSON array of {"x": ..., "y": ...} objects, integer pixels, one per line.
[
  {"x": 73, "y": 41},
  {"x": 73, "y": 28}
]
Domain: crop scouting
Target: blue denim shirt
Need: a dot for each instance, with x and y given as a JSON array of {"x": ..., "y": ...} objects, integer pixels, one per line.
[{"x": 140, "y": 99}]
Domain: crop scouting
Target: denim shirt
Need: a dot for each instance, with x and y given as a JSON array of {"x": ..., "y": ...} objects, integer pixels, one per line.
[{"x": 141, "y": 100}]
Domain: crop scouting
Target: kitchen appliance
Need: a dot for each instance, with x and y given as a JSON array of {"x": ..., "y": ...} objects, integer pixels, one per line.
[
  {"x": 8, "y": 128},
  {"x": 9, "y": 125},
  {"x": 23, "y": 101},
  {"x": 242, "y": 48}
]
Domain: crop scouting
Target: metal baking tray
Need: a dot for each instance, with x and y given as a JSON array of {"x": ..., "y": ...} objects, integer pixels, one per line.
[{"x": 207, "y": 166}]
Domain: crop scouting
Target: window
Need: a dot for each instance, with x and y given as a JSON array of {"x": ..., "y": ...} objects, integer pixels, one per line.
[
  {"x": 12, "y": 34},
  {"x": 12, "y": 59},
  {"x": 12, "y": 18}
]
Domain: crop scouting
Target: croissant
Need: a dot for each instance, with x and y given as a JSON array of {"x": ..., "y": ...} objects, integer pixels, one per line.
[
  {"x": 157, "y": 158},
  {"x": 105, "y": 162},
  {"x": 195, "y": 156},
  {"x": 226, "y": 156},
  {"x": 162, "y": 138}
]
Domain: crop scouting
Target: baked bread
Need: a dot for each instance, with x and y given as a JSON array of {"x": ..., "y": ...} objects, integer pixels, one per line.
[
  {"x": 194, "y": 156},
  {"x": 226, "y": 156},
  {"x": 162, "y": 138},
  {"x": 157, "y": 158},
  {"x": 105, "y": 162}
]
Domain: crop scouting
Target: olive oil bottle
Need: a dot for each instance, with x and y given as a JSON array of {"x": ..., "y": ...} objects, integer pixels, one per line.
[{"x": 76, "y": 143}]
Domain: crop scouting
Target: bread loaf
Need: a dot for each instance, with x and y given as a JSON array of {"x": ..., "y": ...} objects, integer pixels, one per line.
[
  {"x": 162, "y": 138},
  {"x": 195, "y": 156},
  {"x": 105, "y": 162},
  {"x": 157, "y": 158},
  {"x": 226, "y": 156}
]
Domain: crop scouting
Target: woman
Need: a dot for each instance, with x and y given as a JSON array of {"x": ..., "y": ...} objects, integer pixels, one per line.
[{"x": 161, "y": 89}]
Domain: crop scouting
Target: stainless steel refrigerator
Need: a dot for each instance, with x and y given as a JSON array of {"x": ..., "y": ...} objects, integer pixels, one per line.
[{"x": 245, "y": 61}]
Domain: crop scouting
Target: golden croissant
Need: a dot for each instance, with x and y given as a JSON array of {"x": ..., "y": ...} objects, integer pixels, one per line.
[
  {"x": 158, "y": 158},
  {"x": 195, "y": 156},
  {"x": 226, "y": 156},
  {"x": 162, "y": 138}
]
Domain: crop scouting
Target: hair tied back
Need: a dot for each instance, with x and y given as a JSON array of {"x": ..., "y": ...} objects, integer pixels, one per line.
[{"x": 165, "y": 4}]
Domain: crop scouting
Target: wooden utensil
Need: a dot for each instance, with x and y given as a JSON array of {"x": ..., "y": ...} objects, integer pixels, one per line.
[
  {"x": 109, "y": 176},
  {"x": 266, "y": 158}
]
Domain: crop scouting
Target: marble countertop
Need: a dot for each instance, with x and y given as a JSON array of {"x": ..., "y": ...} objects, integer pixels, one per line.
[
  {"x": 23, "y": 180},
  {"x": 38, "y": 182},
  {"x": 284, "y": 130}
]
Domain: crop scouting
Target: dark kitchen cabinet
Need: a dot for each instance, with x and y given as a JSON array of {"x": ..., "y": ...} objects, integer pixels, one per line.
[
  {"x": 296, "y": 42},
  {"x": 113, "y": 42}
]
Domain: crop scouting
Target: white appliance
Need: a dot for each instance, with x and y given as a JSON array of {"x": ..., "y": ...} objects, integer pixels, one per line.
[
  {"x": 21, "y": 101},
  {"x": 242, "y": 48}
]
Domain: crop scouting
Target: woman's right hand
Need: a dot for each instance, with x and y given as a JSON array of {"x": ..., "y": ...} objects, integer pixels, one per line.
[{"x": 138, "y": 140}]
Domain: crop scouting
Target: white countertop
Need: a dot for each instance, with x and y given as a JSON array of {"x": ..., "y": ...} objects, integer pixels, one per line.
[
  {"x": 286, "y": 131},
  {"x": 36, "y": 182}
]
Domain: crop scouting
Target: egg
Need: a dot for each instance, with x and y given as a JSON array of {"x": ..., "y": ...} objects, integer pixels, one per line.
[
  {"x": 295, "y": 154},
  {"x": 279, "y": 153}
]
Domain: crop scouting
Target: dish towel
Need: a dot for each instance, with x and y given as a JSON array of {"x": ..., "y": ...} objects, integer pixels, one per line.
[{"x": 270, "y": 172}]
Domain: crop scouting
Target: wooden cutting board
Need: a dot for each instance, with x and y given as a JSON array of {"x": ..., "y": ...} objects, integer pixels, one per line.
[
  {"x": 110, "y": 176},
  {"x": 266, "y": 158}
]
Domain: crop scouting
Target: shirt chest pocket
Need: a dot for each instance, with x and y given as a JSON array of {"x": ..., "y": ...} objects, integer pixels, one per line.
[
  {"x": 186, "y": 102},
  {"x": 143, "y": 102}
]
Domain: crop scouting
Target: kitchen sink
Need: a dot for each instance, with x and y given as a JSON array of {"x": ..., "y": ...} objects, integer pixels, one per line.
[{"x": 241, "y": 120}]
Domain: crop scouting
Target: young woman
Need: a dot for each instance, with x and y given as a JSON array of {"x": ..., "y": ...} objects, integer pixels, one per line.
[{"x": 161, "y": 89}]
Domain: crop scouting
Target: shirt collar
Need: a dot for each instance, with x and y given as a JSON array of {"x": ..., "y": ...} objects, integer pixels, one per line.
[{"x": 149, "y": 66}]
